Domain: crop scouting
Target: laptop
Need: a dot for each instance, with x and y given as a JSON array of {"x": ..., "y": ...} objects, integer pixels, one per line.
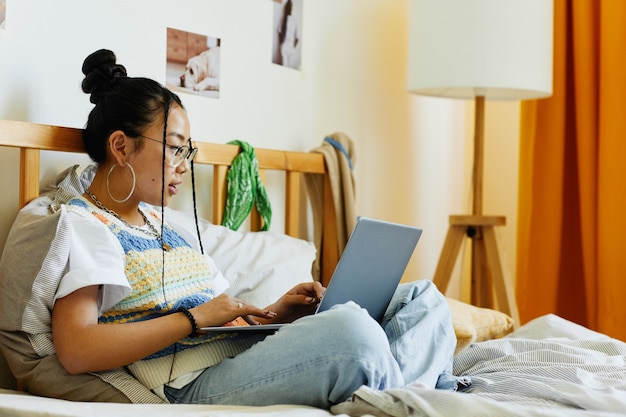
[{"x": 368, "y": 272}]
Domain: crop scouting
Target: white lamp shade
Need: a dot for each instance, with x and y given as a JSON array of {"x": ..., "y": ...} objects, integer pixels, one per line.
[{"x": 500, "y": 49}]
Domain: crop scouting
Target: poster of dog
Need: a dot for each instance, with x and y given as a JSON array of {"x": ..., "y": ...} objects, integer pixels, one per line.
[{"x": 193, "y": 63}]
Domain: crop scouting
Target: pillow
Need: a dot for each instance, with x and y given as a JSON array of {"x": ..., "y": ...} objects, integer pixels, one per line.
[{"x": 475, "y": 324}]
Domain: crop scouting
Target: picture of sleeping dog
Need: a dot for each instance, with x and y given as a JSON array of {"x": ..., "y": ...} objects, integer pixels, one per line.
[{"x": 202, "y": 71}]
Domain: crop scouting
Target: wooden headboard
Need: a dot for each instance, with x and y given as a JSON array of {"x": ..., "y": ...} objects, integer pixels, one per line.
[{"x": 32, "y": 138}]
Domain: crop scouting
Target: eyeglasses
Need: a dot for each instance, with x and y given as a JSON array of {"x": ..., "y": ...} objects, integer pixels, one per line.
[{"x": 180, "y": 152}]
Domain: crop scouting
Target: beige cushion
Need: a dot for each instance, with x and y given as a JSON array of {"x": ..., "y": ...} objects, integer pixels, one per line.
[{"x": 475, "y": 324}]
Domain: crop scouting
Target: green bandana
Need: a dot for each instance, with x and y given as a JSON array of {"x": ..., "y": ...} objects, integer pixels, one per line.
[{"x": 245, "y": 189}]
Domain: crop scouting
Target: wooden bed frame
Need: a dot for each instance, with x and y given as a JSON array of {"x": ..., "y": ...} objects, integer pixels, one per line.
[{"x": 32, "y": 138}]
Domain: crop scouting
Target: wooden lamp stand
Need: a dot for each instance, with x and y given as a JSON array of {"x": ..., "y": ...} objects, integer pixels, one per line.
[{"x": 488, "y": 275}]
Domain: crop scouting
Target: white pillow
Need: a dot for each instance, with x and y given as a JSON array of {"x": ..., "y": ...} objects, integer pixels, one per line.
[{"x": 259, "y": 266}]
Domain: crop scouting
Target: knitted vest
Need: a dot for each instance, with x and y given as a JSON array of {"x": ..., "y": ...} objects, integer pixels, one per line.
[{"x": 161, "y": 282}]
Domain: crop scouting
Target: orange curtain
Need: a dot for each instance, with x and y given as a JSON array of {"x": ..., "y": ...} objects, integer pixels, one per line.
[{"x": 572, "y": 203}]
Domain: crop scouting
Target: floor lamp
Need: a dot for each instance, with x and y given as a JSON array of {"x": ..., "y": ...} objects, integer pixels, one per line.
[{"x": 480, "y": 49}]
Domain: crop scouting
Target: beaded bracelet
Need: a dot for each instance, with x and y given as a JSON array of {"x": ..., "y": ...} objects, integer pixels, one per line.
[{"x": 192, "y": 320}]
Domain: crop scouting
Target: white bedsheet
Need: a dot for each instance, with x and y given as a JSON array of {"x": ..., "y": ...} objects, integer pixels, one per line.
[
  {"x": 20, "y": 405},
  {"x": 549, "y": 367}
]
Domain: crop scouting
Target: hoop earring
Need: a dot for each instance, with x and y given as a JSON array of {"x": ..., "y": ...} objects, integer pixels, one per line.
[{"x": 132, "y": 190}]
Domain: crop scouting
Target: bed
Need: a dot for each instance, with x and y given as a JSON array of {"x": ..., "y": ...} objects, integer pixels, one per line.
[{"x": 549, "y": 366}]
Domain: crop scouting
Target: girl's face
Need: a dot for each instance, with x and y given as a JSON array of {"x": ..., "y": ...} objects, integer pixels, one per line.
[{"x": 148, "y": 161}]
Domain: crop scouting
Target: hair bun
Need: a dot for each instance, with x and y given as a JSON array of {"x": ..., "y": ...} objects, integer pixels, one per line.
[{"x": 101, "y": 73}]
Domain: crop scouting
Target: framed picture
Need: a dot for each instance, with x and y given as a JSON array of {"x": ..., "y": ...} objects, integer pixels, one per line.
[
  {"x": 287, "y": 33},
  {"x": 193, "y": 63}
]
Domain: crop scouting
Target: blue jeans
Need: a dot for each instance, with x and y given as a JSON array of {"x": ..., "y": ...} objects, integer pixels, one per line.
[{"x": 321, "y": 360}]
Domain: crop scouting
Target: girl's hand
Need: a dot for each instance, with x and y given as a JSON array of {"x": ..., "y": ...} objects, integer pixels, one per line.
[
  {"x": 301, "y": 300},
  {"x": 224, "y": 309}
]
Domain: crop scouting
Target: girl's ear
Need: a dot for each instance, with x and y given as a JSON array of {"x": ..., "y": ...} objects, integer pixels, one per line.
[{"x": 120, "y": 147}]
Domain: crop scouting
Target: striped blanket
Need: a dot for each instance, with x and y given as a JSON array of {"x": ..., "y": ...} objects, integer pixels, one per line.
[{"x": 549, "y": 367}]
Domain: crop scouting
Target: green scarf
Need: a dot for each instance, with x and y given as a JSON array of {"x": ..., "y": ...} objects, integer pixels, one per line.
[{"x": 245, "y": 189}]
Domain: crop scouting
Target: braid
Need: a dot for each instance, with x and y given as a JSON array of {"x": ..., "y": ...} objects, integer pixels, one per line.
[
  {"x": 166, "y": 113},
  {"x": 166, "y": 105},
  {"x": 195, "y": 208}
]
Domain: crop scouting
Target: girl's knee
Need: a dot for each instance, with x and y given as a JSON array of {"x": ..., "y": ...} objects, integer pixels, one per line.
[
  {"x": 353, "y": 327},
  {"x": 423, "y": 294},
  {"x": 361, "y": 342}
]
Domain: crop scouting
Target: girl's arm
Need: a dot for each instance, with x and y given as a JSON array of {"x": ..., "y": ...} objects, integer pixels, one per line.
[{"x": 84, "y": 345}]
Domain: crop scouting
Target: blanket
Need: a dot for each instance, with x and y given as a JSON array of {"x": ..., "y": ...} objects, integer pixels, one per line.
[{"x": 524, "y": 374}]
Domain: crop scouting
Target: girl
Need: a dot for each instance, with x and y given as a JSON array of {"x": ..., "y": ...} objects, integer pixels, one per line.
[{"x": 135, "y": 290}]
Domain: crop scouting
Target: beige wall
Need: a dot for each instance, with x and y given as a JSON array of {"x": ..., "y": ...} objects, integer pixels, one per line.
[{"x": 413, "y": 153}]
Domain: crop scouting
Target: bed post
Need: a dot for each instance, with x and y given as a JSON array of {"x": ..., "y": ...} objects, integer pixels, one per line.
[
  {"x": 330, "y": 247},
  {"x": 29, "y": 175}
]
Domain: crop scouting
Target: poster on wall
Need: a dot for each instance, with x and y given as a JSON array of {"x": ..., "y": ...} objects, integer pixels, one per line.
[
  {"x": 3, "y": 13},
  {"x": 287, "y": 33},
  {"x": 193, "y": 63}
]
